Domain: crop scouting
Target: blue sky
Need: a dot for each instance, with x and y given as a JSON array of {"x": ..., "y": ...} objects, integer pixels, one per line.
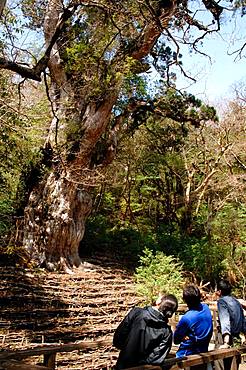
[{"x": 216, "y": 77}]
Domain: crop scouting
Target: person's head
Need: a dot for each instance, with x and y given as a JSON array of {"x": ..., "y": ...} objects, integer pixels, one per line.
[
  {"x": 167, "y": 305},
  {"x": 224, "y": 287},
  {"x": 191, "y": 295}
]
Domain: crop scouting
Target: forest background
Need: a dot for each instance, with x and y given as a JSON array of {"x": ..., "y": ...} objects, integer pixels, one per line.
[{"x": 97, "y": 159}]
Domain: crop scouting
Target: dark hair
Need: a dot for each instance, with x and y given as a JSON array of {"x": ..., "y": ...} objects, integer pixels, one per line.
[
  {"x": 191, "y": 296},
  {"x": 168, "y": 305},
  {"x": 225, "y": 287}
]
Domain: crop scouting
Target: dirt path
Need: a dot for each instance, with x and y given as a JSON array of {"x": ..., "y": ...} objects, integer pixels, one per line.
[{"x": 39, "y": 307}]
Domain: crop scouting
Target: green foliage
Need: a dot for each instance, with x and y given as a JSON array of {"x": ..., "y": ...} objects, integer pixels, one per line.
[
  {"x": 134, "y": 86},
  {"x": 11, "y": 155},
  {"x": 203, "y": 258},
  {"x": 6, "y": 211},
  {"x": 34, "y": 12},
  {"x": 158, "y": 273},
  {"x": 89, "y": 49},
  {"x": 20, "y": 137},
  {"x": 229, "y": 234},
  {"x": 120, "y": 240},
  {"x": 13, "y": 255},
  {"x": 229, "y": 224},
  {"x": 185, "y": 108},
  {"x": 163, "y": 161}
]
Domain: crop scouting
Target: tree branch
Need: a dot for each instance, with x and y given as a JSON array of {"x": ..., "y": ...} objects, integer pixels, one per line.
[
  {"x": 214, "y": 8},
  {"x": 34, "y": 73},
  {"x": 2, "y": 6},
  {"x": 152, "y": 31},
  {"x": 42, "y": 64},
  {"x": 22, "y": 71}
]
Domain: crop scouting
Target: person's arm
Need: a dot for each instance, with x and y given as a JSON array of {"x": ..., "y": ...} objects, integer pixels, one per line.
[
  {"x": 123, "y": 329},
  {"x": 181, "y": 331},
  {"x": 242, "y": 302}
]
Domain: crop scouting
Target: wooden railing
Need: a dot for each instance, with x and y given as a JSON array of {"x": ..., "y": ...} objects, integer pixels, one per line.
[
  {"x": 200, "y": 360},
  {"x": 10, "y": 360},
  {"x": 48, "y": 352}
]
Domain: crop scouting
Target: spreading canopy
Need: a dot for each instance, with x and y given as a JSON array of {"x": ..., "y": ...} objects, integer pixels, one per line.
[{"x": 108, "y": 32}]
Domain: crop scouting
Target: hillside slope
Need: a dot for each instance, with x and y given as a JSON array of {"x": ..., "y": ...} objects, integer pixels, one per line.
[{"x": 40, "y": 307}]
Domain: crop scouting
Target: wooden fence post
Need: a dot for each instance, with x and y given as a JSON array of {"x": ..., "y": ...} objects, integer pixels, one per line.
[
  {"x": 50, "y": 360},
  {"x": 235, "y": 362}
]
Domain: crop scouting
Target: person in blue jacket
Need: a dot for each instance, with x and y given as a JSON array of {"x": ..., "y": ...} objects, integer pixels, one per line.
[{"x": 195, "y": 328}]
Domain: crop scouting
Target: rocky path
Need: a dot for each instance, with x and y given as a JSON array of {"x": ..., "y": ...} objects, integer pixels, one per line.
[{"x": 40, "y": 307}]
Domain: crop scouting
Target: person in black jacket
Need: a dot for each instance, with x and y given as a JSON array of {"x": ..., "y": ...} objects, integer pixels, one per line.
[{"x": 144, "y": 336}]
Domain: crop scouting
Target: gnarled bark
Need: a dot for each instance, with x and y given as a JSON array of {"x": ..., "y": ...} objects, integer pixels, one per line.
[{"x": 54, "y": 222}]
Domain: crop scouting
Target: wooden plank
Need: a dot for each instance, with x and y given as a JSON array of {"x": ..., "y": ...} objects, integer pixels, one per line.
[
  {"x": 235, "y": 362},
  {"x": 196, "y": 360},
  {"x": 50, "y": 360},
  {"x": 49, "y": 349},
  {"x": 16, "y": 365},
  {"x": 144, "y": 367},
  {"x": 174, "y": 363},
  {"x": 202, "y": 358}
]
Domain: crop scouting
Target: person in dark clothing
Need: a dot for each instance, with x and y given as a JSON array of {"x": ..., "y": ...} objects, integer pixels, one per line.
[
  {"x": 195, "y": 328},
  {"x": 231, "y": 317},
  {"x": 144, "y": 336}
]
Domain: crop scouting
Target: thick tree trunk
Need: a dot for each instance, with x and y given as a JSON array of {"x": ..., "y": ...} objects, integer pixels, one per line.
[
  {"x": 54, "y": 223},
  {"x": 54, "y": 219}
]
